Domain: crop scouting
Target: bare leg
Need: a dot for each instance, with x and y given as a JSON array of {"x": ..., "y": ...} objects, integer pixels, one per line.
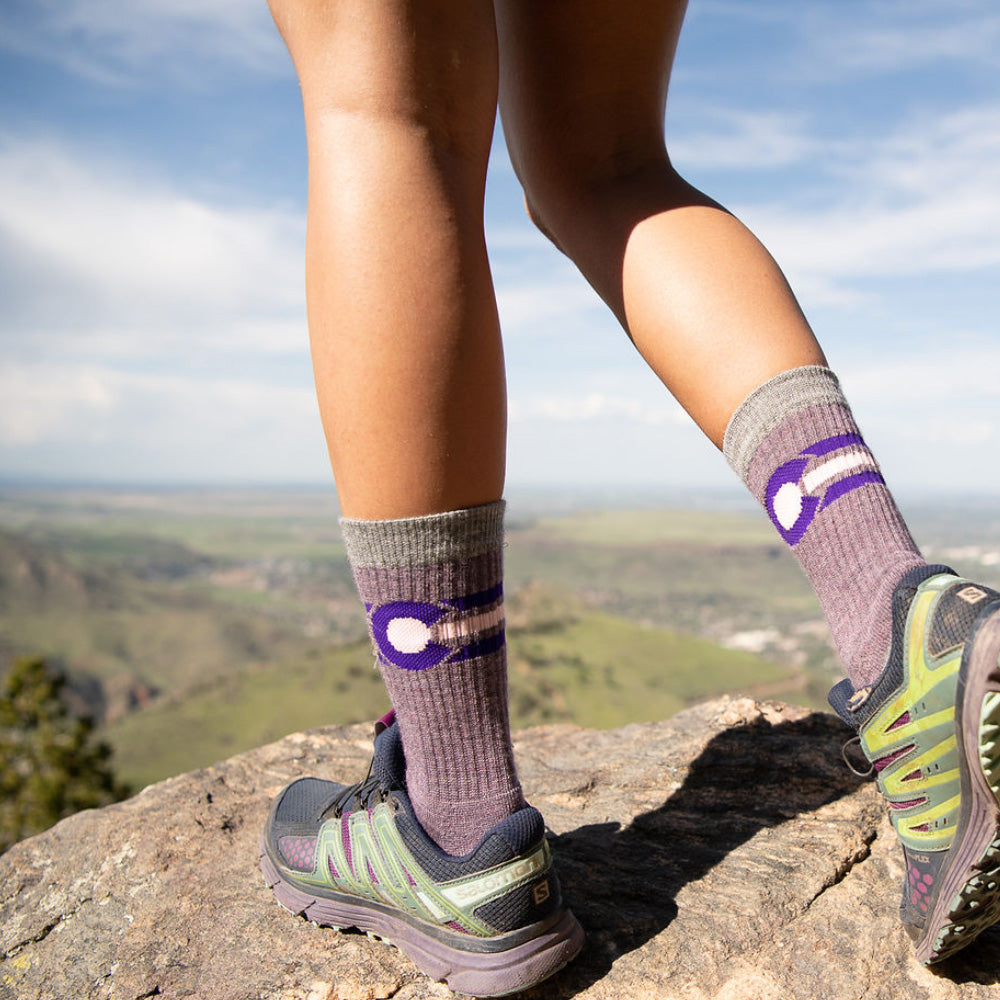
[
  {"x": 700, "y": 297},
  {"x": 400, "y": 103},
  {"x": 399, "y": 106},
  {"x": 583, "y": 91}
]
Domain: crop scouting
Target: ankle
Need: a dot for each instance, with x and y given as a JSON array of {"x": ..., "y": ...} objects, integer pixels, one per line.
[{"x": 459, "y": 827}]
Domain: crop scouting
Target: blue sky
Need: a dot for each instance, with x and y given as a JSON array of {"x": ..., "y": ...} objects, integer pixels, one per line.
[{"x": 152, "y": 196}]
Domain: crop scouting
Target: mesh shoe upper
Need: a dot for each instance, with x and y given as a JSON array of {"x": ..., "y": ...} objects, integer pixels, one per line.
[
  {"x": 907, "y": 728},
  {"x": 365, "y": 841}
]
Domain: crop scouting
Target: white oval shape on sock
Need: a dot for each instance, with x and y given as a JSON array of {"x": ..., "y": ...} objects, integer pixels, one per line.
[
  {"x": 408, "y": 635},
  {"x": 788, "y": 505}
]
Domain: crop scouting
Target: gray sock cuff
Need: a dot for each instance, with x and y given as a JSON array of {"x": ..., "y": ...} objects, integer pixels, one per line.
[
  {"x": 768, "y": 405},
  {"x": 456, "y": 535}
]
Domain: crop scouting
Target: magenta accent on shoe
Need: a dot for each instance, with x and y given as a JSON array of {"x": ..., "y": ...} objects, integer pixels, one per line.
[
  {"x": 299, "y": 852},
  {"x": 333, "y": 871},
  {"x": 372, "y": 874},
  {"x": 908, "y": 805},
  {"x": 901, "y": 721},
  {"x": 409, "y": 877},
  {"x": 884, "y": 762},
  {"x": 345, "y": 836},
  {"x": 456, "y": 927},
  {"x": 919, "y": 889},
  {"x": 388, "y": 719},
  {"x": 913, "y": 775}
]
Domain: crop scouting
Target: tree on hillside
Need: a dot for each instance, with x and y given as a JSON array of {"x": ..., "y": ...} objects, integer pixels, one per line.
[{"x": 50, "y": 764}]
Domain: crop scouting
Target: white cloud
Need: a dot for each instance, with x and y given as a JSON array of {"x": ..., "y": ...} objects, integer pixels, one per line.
[
  {"x": 564, "y": 296},
  {"x": 922, "y": 200},
  {"x": 63, "y": 421},
  {"x": 37, "y": 404},
  {"x": 112, "y": 251},
  {"x": 931, "y": 410},
  {"x": 44, "y": 402},
  {"x": 122, "y": 42},
  {"x": 955, "y": 373},
  {"x": 597, "y": 405},
  {"x": 903, "y": 35},
  {"x": 741, "y": 140},
  {"x": 834, "y": 40}
]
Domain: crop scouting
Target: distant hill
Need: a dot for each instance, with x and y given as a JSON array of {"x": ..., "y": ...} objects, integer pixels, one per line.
[
  {"x": 33, "y": 577},
  {"x": 126, "y": 616}
]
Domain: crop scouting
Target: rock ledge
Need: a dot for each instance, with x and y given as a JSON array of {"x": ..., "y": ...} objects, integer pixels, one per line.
[{"x": 726, "y": 853}]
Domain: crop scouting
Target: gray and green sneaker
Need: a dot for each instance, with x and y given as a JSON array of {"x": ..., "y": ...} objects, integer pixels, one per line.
[
  {"x": 490, "y": 923},
  {"x": 930, "y": 727}
]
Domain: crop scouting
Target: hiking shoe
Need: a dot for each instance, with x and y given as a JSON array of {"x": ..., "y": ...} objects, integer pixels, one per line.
[
  {"x": 930, "y": 727},
  {"x": 489, "y": 923}
]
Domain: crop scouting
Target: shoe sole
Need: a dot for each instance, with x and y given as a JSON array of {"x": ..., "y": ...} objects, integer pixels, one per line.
[
  {"x": 481, "y": 967},
  {"x": 968, "y": 900}
]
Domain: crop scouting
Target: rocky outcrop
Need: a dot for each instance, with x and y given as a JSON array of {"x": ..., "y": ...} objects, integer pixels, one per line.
[{"x": 725, "y": 853}]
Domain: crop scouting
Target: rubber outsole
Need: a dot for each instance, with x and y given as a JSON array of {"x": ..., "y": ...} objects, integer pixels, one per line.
[
  {"x": 533, "y": 954},
  {"x": 968, "y": 900}
]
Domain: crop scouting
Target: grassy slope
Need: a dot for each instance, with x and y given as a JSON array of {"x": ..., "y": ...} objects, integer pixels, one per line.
[
  {"x": 238, "y": 667},
  {"x": 596, "y": 670},
  {"x": 245, "y": 710},
  {"x": 679, "y": 569}
]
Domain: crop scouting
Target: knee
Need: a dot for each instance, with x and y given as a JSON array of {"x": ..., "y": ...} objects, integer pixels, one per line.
[
  {"x": 573, "y": 200},
  {"x": 433, "y": 71}
]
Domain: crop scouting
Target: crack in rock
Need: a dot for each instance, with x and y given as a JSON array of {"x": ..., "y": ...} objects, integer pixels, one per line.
[
  {"x": 19, "y": 946},
  {"x": 847, "y": 866}
]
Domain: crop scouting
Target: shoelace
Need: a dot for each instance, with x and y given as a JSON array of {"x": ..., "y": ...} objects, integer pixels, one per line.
[{"x": 357, "y": 796}]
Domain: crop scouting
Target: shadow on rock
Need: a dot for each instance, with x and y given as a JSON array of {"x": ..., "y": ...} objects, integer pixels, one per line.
[{"x": 622, "y": 883}]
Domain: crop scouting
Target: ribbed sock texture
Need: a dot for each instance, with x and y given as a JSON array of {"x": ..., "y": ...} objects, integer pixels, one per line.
[
  {"x": 432, "y": 588},
  {"x": 795, "y": 444}
]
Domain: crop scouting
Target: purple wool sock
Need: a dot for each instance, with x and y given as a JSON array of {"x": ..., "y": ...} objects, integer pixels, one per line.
[
  {"x": 795, "y": 444},
  {"x": 433, "y": 592}
]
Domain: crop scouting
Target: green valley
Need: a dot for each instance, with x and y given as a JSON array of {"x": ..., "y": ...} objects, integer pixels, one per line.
[{"x": 196, "y": 624}]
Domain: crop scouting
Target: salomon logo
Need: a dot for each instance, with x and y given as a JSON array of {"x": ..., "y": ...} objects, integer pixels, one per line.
[{"x": 971, "y": 595}]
